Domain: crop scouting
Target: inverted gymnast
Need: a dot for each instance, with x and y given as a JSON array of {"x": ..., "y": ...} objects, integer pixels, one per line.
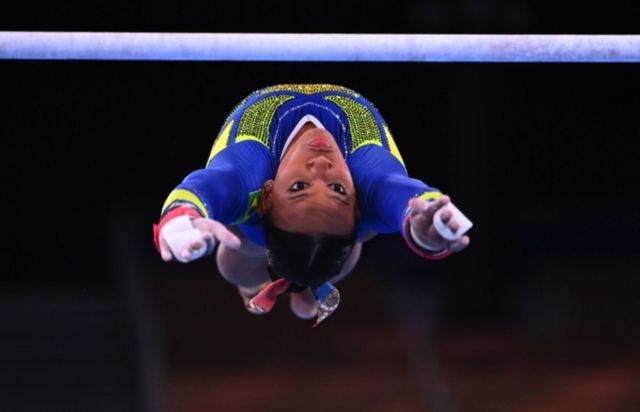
[{"x": 298, "y": 178}]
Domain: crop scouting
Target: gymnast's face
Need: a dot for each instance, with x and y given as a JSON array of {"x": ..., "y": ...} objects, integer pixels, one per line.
[{"x": 313, "y": 192}]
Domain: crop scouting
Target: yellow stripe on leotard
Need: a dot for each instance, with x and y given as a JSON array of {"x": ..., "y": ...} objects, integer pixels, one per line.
[
  {"x": 430, "y": 196},
  {"x": 221, "y": 142},
  {"x": 392, "y": 145},
  {"x": 182, "y": 195}
]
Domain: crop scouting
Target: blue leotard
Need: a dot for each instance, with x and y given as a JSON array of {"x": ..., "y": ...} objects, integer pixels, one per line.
[{"x": 249, "y": 146}]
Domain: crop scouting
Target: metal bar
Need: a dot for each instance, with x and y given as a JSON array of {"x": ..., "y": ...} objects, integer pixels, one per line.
[{"x": 320, "y": 47}]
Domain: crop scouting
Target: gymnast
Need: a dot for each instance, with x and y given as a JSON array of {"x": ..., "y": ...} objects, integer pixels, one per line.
[{"x": 298, "y": 178}]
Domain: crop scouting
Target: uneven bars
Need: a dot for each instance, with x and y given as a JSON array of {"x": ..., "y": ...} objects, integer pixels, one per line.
[{"x": 578, "y": 48}]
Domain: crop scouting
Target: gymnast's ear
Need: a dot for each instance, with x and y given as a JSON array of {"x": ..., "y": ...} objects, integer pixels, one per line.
[{"x": 264, "y": 205}]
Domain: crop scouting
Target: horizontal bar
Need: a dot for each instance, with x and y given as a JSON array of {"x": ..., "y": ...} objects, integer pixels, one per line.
[{"x": 320, "y": 47}]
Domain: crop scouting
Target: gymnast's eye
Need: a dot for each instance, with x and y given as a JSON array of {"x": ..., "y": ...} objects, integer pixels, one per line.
[
  {"x": 337, "y": 187},
  {"x": 297, "y": 186}
]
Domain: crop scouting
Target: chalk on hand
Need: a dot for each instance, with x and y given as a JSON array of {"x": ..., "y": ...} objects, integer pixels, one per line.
[
  {"x": 458, "y": 216},
  {"x": 179, "y": 234}
]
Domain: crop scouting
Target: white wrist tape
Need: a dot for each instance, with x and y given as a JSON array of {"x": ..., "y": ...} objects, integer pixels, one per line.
[
  {"x": 179, "y": 234},
  {"x": 461, "y": 219}
]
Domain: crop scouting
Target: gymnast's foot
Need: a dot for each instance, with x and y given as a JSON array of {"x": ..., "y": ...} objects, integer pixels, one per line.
[
  {"x": 304, "y": 304},
  {"x": 248, "y": 293}
]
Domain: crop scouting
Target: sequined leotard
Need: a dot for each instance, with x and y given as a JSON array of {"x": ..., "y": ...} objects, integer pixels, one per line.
[{"x": 249, "y": 146}]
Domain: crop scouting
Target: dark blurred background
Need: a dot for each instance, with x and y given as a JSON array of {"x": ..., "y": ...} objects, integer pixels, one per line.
[{"x": 540, "y": 313}]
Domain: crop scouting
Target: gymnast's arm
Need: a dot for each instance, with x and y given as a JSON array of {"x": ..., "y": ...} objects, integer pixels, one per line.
[
  {"x": 391, "y": 201},
  {"x": 214, "y": 198}
]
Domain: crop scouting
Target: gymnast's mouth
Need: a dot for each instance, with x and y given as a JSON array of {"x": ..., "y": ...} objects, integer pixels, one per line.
[{"x": 320, "y": 144}]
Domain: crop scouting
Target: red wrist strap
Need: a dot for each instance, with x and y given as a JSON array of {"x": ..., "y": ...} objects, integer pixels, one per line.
[{"x": 178, "y": 211}]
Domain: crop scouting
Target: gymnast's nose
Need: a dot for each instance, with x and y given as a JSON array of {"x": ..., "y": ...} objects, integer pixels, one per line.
[{"x": 319, "y": 163}]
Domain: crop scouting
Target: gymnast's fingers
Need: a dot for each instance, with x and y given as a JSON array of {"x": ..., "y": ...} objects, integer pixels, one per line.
[
  {"x": 186, "y": 254},
  {"x": 420, "y": 206},
  {"x": 452, "y": 224},
  {"x": 459, "y": 244},
  {"x": 197, "y": 244},
  {"x": 165, "y": 250},
  {"x": 218, "y": 232},
  {"x": 226, "y": 237}
]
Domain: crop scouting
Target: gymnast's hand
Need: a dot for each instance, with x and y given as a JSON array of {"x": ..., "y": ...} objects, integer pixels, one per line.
[
  {"x": 201, "y": 240},
  {"x": 422, "y": 227}
]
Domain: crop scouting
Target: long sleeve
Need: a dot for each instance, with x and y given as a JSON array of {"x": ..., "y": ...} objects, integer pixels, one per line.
[
  {"x": 384, "y": 189},
  {"x": 225, "y": 190}
]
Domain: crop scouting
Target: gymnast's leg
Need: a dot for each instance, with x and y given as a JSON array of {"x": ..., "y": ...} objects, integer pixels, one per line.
[{"x": 245, "y": 267}]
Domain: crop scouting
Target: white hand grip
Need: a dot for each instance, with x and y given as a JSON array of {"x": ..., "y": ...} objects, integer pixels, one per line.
[
  {"x": 179, "y": 234},
  {"x": 458, "y": 216}
]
